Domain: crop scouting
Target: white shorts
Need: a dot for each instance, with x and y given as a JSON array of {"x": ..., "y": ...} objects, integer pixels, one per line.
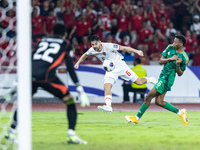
[{"x": 122, "y": 70}]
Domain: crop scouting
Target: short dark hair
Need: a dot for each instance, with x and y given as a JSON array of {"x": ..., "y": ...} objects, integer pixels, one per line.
[
  {"x": 181, "y": 38},
  {"x": 94, "y": 38},
  {"x": 138, "y": 60},
  {"x": 59, "y": 29}
]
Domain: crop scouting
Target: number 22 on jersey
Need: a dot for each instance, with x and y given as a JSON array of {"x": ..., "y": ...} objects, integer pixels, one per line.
[{"x": 44, "y": 51}]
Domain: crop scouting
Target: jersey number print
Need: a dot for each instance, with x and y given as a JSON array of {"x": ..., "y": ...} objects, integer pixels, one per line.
[{"x": 44, "y": 50}]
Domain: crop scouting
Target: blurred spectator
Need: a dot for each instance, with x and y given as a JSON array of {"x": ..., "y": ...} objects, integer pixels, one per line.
[
  {"x": 58, "y": 11},
  {"x": 105, "y": 21},
  {"x": 124, "y": 41},
  {"x": 170, "y": 33},
  {"x": 98, "y": 29},
  {"x": 180, "y": 7},
  {"x": 195, "y": 27},
  {"x": 100, "y": 7},
  {"x": 49, "y": 22},
  {"x": 156, "y": 49},
  {"x": 127, "y": 7},
  {"x": 150, "y": 14},
  {"x": 194, "y": 8},
  {"x": 122, "y": 20},
  {"x": 85, "y": 46},
  {"x": 69, "y": 18},
  {"x": 135, "y": 23},
  {"x": 52, "y": 5},
  {"x": 162, "y": 24},
  {"x": 81, "y": 28},
  {"x": 145, "y": 38},
  {"x": 110, "y": 39},
  {"x": 190, "y": 46},
  {"x": 161, "y": 12},
  {"x": 196, "y": 60},
  {"x": 76, "y": 46},
  {"x": 90, "y": 14},
  {"x": 82, "y": 3},
  {"x": 113, "y": 14},
  {"x": 108, "y": 3},
  {"x": 45, "y": 9},
  {"x": 37, "y": 25}
]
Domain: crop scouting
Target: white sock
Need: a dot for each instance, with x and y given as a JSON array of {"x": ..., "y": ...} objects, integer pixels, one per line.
[
  {"x": 148, "y": 80},
  {"x": 137, "y": 118},
  {"x": 108, "y": 99},
  {"x": 179, "y": 113},
  {"x": 71, "y": 132}
]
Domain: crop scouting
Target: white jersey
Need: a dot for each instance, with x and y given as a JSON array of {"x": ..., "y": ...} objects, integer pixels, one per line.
[{"x": 109, "y": 51}]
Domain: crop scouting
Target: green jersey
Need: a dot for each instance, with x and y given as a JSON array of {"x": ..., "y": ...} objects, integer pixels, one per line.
[{"x": 168, "y": 73}]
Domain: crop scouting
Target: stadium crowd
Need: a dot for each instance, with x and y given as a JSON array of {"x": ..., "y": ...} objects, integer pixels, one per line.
[{"x": 149, "y": 25}]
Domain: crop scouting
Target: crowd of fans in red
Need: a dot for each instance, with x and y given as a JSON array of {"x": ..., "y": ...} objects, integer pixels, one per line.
[{"x": 148, "y": 25}]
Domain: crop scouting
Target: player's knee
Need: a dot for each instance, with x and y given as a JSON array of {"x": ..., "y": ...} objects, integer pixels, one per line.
[
  {"x": 138, "y": 81},
  {"x": 109, "y": 80},
  {"x": 159, "y": 103},
  {"x": 68, "y": 99}
]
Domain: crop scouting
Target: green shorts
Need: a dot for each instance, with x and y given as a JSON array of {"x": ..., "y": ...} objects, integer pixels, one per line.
[{"x": 163, "y": 86}]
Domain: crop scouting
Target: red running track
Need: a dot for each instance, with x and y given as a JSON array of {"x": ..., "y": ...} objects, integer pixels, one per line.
[{"x": 116, "y": 107}]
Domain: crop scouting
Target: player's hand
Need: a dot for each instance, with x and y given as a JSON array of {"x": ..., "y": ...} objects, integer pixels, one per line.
[
  {"x": 76, "y": 66},
  {"x": 175, "y": 57},
  {"x": 140, "y": 53},
  {"x": 84, "y": 100},
  {"x": 178, "y": 61},
  {"x": 83, "y": 96}
]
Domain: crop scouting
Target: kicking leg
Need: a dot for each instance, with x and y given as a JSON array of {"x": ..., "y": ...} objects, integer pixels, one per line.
[{"x": 144, "y": 107}]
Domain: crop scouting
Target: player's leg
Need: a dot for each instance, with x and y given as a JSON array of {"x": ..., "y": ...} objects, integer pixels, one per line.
[
  {"x": 58, "y": 89},
  {"x": 11, "y": 134},
  {"x": 108, "y": 82},
  {"x": 159, "y": 100},
  {"x": 12, "y": 131},
  {"x": 135, "y": 119},
  {"x": 131, "y": 75}
]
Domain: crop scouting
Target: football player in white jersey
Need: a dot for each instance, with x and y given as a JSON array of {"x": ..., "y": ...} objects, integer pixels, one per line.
[{"x": 105, "y": 51}]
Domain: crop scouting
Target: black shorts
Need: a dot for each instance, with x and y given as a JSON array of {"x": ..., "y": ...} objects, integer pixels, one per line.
[{"x": 53, "y": 86}]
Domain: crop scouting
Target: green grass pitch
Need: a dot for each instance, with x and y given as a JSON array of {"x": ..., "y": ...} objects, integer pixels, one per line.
[{"x": 157, "y": 130}]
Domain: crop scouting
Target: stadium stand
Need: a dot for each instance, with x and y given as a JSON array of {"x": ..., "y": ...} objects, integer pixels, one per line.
[{"x": 149, "y": 25}]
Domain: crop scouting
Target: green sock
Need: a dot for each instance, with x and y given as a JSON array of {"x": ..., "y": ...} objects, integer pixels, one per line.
[
  {"x": 71, "y": 101},
  {"x": 171, "y": 108},
  {"x": 142, "y": 110}
]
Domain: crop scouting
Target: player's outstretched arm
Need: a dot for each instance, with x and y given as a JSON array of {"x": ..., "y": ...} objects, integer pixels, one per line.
[
  {"x": 132, "y": 50},
  {"x": 82, "y": 58}
]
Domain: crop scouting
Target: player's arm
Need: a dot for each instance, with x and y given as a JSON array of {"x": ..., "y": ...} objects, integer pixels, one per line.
[
  {"x": 70, "y": 69},
  {"x": 178, "y": 68},
  {"x": 79, "y": 88},
  {"x": 164, "y": 60},
  {"x": 132, "y": 50},
  {"x": 82, "y": 58}
]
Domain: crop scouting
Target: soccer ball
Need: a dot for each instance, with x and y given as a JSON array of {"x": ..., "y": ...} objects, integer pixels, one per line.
[{"x": 108, "y": 65}]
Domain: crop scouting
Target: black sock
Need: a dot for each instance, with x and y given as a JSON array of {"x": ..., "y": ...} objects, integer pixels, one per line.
[
  {"x": 14, "y": 121},
  {"x": 71, "y": 115}
]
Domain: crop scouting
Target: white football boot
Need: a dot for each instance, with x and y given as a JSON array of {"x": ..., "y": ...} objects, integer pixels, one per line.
[{"x": 105, "y": 108}]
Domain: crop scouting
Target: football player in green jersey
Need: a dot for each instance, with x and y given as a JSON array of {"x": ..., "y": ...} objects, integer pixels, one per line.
[{"x": 175, "y": 60}]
